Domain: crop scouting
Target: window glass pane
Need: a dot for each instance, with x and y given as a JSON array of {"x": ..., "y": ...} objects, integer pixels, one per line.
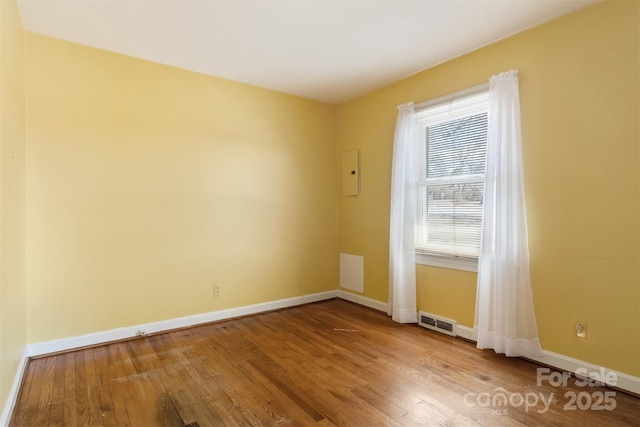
[
  {"x": 452, "y": 220},
  {"x": 457, "y": 147},
  {"x": 451, "y": 151}
]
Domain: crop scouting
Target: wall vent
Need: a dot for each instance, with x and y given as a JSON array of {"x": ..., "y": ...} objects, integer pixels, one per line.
[{"x": 437, "y": 323}]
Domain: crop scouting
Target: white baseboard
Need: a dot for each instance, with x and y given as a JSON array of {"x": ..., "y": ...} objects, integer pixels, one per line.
[
  {"x": 621, "y": 380},
  {"x": 464, "y": 332},
  {"x": 65, "y": 344},
  {"x": 13, "y": 393},
  {"x": 558, "y": 361},
  {"x": 359, "y": 299},
  {"x": 565, "y": 363}
]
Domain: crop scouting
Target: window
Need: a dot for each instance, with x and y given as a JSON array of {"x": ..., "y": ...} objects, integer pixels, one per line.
[{"x": 451, "y": 151}]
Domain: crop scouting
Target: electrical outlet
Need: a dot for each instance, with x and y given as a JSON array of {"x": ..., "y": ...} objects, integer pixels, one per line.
[
  {"x": 581, "y": 329},
  {"x": 216, "y": 290}
]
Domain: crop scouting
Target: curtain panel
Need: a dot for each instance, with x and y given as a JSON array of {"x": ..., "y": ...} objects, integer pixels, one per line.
[
  {"x": 402, "y": 258},
  {"x": 505, "y": 319}
]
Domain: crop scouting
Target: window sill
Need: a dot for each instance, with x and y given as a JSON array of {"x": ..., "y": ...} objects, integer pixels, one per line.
[{"x": 456, "y": 263}]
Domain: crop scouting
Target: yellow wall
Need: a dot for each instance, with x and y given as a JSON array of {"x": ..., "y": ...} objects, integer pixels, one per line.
[
  {"x": 12, "y": 198},
  {"x": 579, "y": 86},
  {"x": 149, "y": 184}
]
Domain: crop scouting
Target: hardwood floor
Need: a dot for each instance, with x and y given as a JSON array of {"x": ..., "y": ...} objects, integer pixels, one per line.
[{"x": 328, "y": 363}]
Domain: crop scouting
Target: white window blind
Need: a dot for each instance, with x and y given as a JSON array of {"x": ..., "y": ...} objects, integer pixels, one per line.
[{"x": 451, "y": 149}]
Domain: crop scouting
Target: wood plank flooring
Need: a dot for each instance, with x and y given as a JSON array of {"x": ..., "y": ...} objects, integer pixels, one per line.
[{"x": 331, "y": 363}]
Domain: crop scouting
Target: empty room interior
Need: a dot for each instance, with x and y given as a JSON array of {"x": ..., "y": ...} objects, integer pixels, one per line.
[{"x": 161, "y": 221}]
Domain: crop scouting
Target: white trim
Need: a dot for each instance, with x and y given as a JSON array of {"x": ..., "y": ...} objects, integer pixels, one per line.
[
  {"x": 565, "y": 363},
  {"x": 97, "y": 338},
  {"x": 464, "y": 332},
  {"x": 482, "y": 87},
  {"x": 359, "y": 299},
  {"x": 444, "y": 261},
  {"x": 453, "y": 179},
  {"x": 623, "y": 381},
  {"x": 15, "y": 389}
]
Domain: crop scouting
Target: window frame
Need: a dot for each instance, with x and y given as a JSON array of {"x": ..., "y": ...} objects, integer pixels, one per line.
[{"x": 465, "y": 263}]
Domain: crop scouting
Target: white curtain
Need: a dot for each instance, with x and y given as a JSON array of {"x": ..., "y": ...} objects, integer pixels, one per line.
[
  {"x": 505, "y": 319},
  {"x": 402, "y": 258}
]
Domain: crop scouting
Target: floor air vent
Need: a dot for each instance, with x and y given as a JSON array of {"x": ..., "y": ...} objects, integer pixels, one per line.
[{"x": 440, "y": 324}]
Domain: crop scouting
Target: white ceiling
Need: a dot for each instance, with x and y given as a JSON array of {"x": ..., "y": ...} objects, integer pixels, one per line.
[{"x": 326, "y": 50}]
